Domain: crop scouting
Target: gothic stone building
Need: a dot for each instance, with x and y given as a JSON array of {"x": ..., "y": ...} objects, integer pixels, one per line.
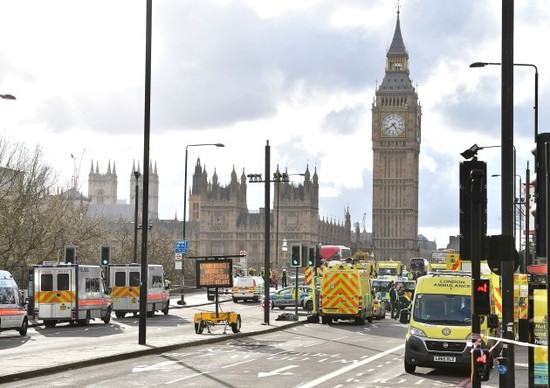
[{"x": 221, "y": 223}]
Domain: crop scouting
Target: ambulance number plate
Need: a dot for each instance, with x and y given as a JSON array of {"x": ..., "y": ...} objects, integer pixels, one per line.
[{"x": 444, "y": 359}]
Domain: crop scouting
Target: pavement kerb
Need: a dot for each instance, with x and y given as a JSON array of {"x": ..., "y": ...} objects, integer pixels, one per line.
[{"x": 149, "y": 350}]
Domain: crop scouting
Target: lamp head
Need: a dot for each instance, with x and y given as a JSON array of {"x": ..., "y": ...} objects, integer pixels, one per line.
[
  {"x": 471, "y": 152},
  {"x": 478, "y": 64}
]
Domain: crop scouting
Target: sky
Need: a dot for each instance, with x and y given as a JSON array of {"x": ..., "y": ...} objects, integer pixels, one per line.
[{"x": 301, "y": 75}]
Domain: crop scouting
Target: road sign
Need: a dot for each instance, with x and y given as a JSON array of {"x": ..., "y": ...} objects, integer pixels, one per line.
[{"x": 182, "y": 246}]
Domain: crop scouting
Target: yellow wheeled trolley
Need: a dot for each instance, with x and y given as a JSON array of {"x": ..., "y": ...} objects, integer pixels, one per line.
[
  {"x": 207, "y": 319},
  {"x": 216, "y": 272}
]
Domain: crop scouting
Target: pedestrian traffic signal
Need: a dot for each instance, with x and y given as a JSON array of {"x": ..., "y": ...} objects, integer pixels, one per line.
[
  {"x": 70, "y": 254},
  {"x": 482, "y": 296},
  {"x": 105, "y": 254},
  {"x": 296, "y": 255},
  {"x": 311, "y": 257},
  {"x": 482, "y": 363}
]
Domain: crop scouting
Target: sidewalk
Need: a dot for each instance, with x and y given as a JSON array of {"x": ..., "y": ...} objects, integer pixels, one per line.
[{"x": 20, "y": 362}]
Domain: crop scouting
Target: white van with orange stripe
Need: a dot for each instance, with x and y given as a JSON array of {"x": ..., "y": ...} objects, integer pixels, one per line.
[
  {"x": 69, "y": 293},
  {"x": 124, "y": 280},
  {"x": 13, "y": 314}
]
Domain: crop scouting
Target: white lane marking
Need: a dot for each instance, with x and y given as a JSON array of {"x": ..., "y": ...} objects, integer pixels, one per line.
[
  {"x": 347, "y": 368},
  {"x": 184, "y": 378},
  {"x": 238, "y": 363},
  {"x": 276, "y": 371},
  {"x": 165, "y": 365}
]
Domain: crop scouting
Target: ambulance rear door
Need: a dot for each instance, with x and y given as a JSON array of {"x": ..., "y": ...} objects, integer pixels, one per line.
[
  {"x": 125, "y": 283},
  {"x": 55, "y": 294}
]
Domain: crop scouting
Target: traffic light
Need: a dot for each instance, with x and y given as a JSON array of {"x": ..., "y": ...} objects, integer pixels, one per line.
[
  {"x": 541, "y": 190},
  {"x": 318, "y": 260},
  {"x": 311, "y": 257},
  {"x": 105, "y": 254},
  {"x": 296, "y": 255},
  {"x": 482, "y": 296},
  {"x": 482, "y": 363},
  {"x": 70, "y": 254},
  {"x": 469, "y": 171}
]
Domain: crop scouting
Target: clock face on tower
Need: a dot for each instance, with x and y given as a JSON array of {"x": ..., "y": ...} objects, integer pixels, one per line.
[{"x": 393, "y": 125}]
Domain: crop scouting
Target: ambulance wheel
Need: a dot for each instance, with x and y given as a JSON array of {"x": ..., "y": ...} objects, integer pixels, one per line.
[
  {"x": 84, "y": 322},
  {"x": 151, "y": 314},
  {"x": 119, "y": 315},
  {"x": 24, "y": 326},
  {"x": 369, "y": 319},
  {"x": 49, "y": 324},
  {"x": 409, "y": 368},
  {"x": 309, "y": 305},
  {"x": 236, "y": 326},
  {"x": 360, "y": 321},
  {"x": 325, "y": 320},
  {"x": 282, "y": 307},
  {"x": 166, "y": 310}
]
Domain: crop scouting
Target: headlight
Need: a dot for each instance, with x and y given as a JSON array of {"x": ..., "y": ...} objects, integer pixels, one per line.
[{"x": 417, "y": 332}]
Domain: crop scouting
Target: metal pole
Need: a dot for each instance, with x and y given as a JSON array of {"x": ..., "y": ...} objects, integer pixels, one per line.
[
  {"x": 507, "y": 206},
  {"x": 267, "y": 233},
  {"x": 278, "y": 181},
  {"x": 145, "y": 207},
  {"x": 137, "y": 174},
  {"x": 182, "y": 281},
  {"x": 527, "y": 198}
]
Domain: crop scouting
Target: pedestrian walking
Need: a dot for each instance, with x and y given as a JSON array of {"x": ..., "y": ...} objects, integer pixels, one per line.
[
  {"x": 284, "y": 278},
  {"x": 394, "y": 301}
]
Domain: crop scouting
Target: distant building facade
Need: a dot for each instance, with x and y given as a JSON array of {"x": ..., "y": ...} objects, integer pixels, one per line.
[{"x": 222, "y": 224}]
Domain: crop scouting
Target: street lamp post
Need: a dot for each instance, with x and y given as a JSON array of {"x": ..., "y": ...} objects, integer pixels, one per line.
[
  {"x": 137, "y": 174},
  {"x": 182, "y": 300},
  {"x": 536, "y": 107}
]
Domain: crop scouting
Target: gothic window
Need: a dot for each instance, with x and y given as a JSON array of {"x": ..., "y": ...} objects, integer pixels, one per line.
[
  {"x": 291, "y": 220},
  {"x": 100, "y": 196},
  {"x": 218, "y": 220}
]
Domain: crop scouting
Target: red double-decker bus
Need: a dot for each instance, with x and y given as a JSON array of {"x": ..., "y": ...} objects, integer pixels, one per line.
[{"x": 335, "y": 252}]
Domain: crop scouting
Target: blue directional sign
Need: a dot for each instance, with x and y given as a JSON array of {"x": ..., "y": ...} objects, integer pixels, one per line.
[{"x": 182, "y": 246}]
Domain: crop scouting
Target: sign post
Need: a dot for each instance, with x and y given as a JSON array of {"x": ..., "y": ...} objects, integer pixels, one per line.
[{"x": 181, "y": 249}]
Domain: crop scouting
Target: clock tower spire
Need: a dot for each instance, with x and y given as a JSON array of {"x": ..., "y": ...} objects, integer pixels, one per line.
[{"x": 396, "y": 114}]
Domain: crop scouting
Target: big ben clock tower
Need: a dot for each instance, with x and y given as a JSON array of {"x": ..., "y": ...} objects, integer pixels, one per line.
[{"x": 396, "y": 115}]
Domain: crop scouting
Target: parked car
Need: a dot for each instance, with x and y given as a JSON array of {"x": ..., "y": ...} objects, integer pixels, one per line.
[
  {"x": 378, "y": 309},
  {"x": 248, "y": 288},
  {"x": 287, "y": 297}
]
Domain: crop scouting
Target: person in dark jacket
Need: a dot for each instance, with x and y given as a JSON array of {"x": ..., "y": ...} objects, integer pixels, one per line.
[{"x": 394, "y": 300}]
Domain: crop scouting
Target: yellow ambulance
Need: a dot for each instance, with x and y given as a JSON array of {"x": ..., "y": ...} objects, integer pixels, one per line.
[{"x": 440, "y": 322}]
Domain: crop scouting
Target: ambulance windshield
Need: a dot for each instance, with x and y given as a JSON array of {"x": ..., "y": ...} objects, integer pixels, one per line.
[{"x": 438, "y": 308}]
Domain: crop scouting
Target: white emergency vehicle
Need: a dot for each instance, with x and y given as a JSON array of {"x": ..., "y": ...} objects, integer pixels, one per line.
[
  {"x": 71, "y": 293},
  {"x": 13, "y": 314},
  {"x": 124, "y": 281}
]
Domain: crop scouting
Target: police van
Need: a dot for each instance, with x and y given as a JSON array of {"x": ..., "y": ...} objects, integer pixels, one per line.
[
  {"x": 70, "y": 293},
  {"x": 125, "y": 281},
  {"x": 13, "y": 314}
]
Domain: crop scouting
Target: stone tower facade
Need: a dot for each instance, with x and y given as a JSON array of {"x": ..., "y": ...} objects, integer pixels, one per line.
[
  {"x": 221, "y": 223},
  {"x": 153, "y": 190},
  {"x": 396, "y": 136},
  {"x": 102, "y": 191},
  {"x": 102, "y": 187}
]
